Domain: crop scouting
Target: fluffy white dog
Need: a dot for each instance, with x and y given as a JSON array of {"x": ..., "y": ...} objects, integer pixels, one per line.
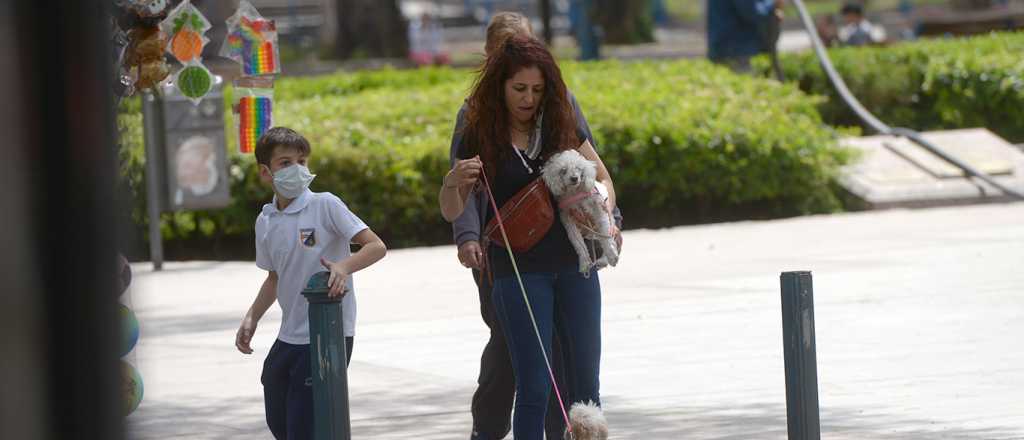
[
  {"x": 572, "y": 180},
  {"x": 588, "y": 423}
]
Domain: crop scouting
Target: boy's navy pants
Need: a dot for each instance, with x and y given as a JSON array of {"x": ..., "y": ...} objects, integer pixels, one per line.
[{"x": 288, "y": 390}]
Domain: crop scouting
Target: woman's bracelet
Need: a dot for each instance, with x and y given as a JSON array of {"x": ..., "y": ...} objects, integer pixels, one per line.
[{"x": 444, "y": 182}]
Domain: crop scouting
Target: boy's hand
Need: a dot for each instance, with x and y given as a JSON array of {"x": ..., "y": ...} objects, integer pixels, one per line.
[
  {"x": 338, "y": 280},
  {"x": 244, "y": 335}
]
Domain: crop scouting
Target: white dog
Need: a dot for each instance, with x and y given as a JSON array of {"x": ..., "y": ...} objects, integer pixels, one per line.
[
  {"x": 572, "y": 179},
  {"x": 588, "y": 423}
]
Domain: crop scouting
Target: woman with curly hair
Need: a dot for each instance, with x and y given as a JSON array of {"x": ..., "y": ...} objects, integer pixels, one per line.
[{"x": 518, "y": 115}]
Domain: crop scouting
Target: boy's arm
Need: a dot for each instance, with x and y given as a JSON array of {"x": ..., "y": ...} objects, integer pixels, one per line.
[
  {"x": 371, "y": 250},
  {"x": 264, "y": 299}
]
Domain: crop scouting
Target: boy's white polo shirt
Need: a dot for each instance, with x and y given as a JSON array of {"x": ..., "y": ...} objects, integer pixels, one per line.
[{"x": 291, "y": 242}]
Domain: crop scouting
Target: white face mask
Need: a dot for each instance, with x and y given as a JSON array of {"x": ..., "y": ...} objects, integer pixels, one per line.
[{"x": 291, "y": 181}]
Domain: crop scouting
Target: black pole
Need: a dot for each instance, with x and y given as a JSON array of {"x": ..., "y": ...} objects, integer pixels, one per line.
[
  {"x": 328, "y": 361},
  {"x": 801, "y": 361},
  {"x": 64, "y": 297},
  {"x": 545, "y": 18},
  {"x": 153, "y": 131}
]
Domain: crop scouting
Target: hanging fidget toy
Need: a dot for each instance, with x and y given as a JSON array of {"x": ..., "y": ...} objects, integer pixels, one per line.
[
  {"x": 186, "y": 45},
  {"x": 252, "y": 42},
  {"x": 252, "y": 30},
  {"x": 194, "y": 81},
  {"x": 185, "y": 25},
  {"x": 260, "y": 60},
  {"x": 254, "y": 119}
]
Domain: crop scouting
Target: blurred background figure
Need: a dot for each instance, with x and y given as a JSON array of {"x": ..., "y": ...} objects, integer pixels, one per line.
[
  {"x": 739, "y": 29},
  {"x": 828, "y": 30},
  {"x": 856, "y": 29},
  {"x": 426, "y": 37}
]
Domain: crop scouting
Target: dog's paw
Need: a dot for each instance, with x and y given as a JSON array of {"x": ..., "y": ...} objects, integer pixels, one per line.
[
  {"x": 613, "y": 258},
  {"x": 610, "y": 253},
  {"x": 587, "y": 422},
  {"x": 585, "y": 265}
]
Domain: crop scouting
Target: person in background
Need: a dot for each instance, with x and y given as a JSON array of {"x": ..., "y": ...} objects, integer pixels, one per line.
[
  {"x": 828, "y": 30},
  {"x": 856, "y": 29},
  {"x": 425, "y": 40},
  {"x": 740, "y": 29}
]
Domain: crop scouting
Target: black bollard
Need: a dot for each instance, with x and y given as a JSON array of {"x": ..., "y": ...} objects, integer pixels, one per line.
[
  {"x": 801, "y": 362},
  {"x": 328, "y": 362}
]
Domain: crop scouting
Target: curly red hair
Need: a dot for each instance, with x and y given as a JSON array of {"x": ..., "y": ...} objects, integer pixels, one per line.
[{"x": 487, "y": 120}]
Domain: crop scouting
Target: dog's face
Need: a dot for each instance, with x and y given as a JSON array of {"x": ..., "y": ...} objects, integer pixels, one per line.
[{"x": 569, "y": 172}]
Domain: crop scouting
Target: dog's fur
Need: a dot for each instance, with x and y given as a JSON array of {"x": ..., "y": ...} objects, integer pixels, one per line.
[
  {"x": 588, "y": 423},
  {"x": 566, "y": 174}
]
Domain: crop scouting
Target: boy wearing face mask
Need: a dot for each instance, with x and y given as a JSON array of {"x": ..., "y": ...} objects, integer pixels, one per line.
[{"x": 298, "y": 234}]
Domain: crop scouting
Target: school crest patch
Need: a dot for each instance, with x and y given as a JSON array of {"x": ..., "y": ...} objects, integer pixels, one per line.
[{"x": 308, "y": 237}]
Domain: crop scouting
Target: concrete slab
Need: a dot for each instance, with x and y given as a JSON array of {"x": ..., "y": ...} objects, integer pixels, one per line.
[
  {"x": 893, "y": 171},
  {"x": 919, "y": 319}
]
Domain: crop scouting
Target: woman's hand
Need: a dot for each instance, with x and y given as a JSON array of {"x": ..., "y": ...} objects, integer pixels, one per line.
[
  {"x": 465, "y": 172},
  {"x": 457, "y": 185},
  {"x": 471, "y": 255},
  {"x": 613, "y": 230},
  {"x": 617, "y": 235}
]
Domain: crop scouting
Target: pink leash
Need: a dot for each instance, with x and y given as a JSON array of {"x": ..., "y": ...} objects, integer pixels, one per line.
[{"x": 529, "y": 309}]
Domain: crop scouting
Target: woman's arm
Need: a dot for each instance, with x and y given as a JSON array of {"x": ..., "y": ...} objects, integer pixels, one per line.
[
  {"x": 588, "y": 152},
  {"x": 457, "y": 185}
]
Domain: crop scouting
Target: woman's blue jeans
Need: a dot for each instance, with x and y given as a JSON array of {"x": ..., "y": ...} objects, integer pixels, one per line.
[{"x": 573, "y": 303}]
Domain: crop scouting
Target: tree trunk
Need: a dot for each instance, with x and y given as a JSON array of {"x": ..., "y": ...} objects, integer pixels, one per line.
[
  {"x": 624, "y": 21},
  {"x": 370, "y": 28}
]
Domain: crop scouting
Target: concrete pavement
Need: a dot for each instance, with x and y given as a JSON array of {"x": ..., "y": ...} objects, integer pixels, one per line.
[{"x": 919, "y": 314}]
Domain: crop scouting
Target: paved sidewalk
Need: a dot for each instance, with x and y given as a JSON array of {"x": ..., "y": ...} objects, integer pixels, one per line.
[{"x": 920, "y": 318}]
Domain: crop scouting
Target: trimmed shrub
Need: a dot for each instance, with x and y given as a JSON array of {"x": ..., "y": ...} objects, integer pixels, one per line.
[
  {"x": 685, "y": 141},
  {"x": 924, "y": 85}
]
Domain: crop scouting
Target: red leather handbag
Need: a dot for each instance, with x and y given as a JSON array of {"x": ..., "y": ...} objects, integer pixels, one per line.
[{"x": 527, "y": 216}]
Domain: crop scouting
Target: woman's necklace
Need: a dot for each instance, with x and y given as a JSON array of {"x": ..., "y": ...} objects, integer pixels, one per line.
[
  {"x": 524, "y": 135},
  {"x": 519, "y": 138}
]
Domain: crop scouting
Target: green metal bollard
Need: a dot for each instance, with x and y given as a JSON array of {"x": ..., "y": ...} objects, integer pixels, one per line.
[
  {"x": 328, "y": 361},
  {"x": 799, "y": 348}
]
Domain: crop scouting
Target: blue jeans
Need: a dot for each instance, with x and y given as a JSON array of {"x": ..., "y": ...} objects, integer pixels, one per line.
[{"x": 565, "y": 299}]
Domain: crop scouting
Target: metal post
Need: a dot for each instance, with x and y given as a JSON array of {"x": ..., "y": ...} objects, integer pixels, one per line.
[
  {"x": 152, "y": 122},
  {"x": 328, "y": 359},
  {"x": 801, "y": 361}
]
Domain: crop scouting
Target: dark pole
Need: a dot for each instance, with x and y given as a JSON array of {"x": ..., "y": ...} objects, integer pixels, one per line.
[
  {"x": 62, "y": 167},
  {"x": 545, "y": 18},
  {"x": 328, "y": 361},
  {"x": 801, "y": 362},
  {"x": 153, "y": 133}
]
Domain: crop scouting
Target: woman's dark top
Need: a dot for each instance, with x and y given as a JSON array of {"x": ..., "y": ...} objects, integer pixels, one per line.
[{"x": 553, "y": 253}]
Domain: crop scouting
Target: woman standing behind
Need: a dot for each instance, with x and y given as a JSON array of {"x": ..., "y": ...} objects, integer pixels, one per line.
[{"x": 519, "y": 83}]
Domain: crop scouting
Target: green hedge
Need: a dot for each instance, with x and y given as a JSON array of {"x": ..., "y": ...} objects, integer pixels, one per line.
[
  {"x": 924, "y": 85},
  {"x": 685, "y": 141}
]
